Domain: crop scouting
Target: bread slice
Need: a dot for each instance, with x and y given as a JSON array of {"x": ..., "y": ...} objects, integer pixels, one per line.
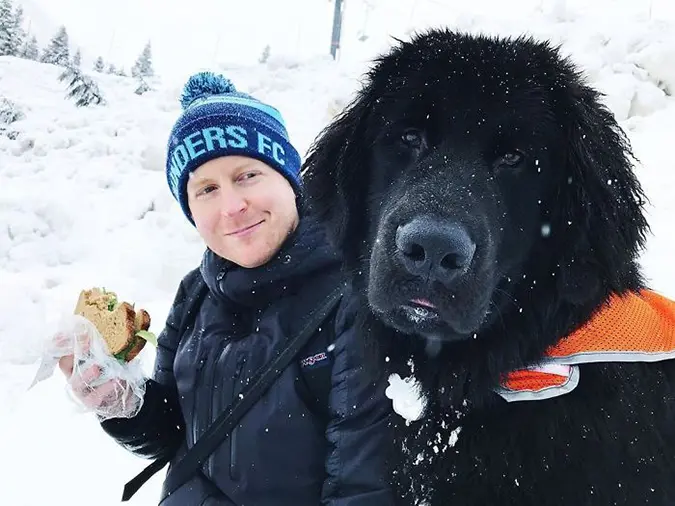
[
  {"x": 117, "y": 322},
  {"x": 141, "y": 322}
]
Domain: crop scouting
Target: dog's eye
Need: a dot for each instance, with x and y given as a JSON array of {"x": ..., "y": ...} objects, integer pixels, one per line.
[
  {"x": 511, "y": 158},
  {"x": 412, "y": 138}
]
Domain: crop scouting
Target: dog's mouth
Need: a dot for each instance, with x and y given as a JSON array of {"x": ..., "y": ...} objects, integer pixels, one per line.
[
  {"x": 423, "y": 303},
  {"x": 416, "y": 307},
  {"x": 422, "y": 317},
  {"x": 420, "y": 311}
]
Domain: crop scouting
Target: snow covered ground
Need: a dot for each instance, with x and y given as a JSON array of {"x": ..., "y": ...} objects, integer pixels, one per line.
[{"x": 84, "y": 202}]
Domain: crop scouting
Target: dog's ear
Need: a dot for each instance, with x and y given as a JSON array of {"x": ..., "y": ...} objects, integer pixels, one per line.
[
  {"x": 332, "y": 170},
  {"x": 603, "y": 200}
]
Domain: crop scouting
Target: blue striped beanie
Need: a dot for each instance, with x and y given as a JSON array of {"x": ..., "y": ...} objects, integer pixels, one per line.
[{"x": 217, "y": 120}]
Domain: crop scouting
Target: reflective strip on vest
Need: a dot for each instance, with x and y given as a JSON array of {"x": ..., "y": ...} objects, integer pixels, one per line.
[{"x": 539, "y": 383}]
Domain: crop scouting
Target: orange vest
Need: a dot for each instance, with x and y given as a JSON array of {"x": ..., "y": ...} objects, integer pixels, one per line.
[{"x": 635, "y": 327}]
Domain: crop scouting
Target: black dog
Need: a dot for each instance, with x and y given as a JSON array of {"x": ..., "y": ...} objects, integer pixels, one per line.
[{"x": 485, "y": 203}]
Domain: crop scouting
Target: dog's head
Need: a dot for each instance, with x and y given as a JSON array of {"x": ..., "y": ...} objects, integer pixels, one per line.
[{"x": 469, "y": 170}]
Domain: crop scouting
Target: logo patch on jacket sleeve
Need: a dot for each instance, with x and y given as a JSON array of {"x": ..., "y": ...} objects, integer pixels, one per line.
[{"x": 313, "y": 360}]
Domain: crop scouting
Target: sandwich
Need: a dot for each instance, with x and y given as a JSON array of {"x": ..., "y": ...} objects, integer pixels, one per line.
[{"x": 123, "y": 328}]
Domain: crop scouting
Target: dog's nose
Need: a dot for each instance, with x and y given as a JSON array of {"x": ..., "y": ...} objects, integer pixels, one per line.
[{"x": 439, "y": 251}]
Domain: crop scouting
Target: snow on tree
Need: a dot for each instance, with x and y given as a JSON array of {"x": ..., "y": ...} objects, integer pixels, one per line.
[
  {"x": 112, "y": 69},
  {"x": 99, "y": 66},
  {"x": 265, "y": 54},
  {"x": 7, "y": 30},
  {"x": 9, "y": 112},
  {"x": 143, "y": 66},
  {"x": 12, "y": 34},
  {"x": 19, "y": 34},
  {"x": 81, "y": 88},
  {"x": 142, "y": 87},
  {"x": 77, "y": 58},
  {"x": 30, "y": 49},
  {"x": 57, "y": 52}
]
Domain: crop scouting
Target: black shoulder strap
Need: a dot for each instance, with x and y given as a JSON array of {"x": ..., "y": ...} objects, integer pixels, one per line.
[{"x": 223, "y": 425}]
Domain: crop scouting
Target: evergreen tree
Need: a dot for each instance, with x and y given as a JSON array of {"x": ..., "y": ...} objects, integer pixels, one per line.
[
  {"x": 57, "y": 52},
  {"x": 9, "y": 112},
  {"x": 81, "y": 88},
  {"x": 265, "y": 54},
  {"x": 77, "y": 58},
  {"x": 112, "y": 69},
  {"x": 7, "y": 34},
  {"x": 99, "y": 66},
  {"x": 142, "y": 87},
  {"x": 30, "y": 49},
  {"x": 19, "y": 35},
  {"x": 143, "y": 66}
]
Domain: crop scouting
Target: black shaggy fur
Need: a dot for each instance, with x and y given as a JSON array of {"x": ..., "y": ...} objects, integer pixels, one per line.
[{"x": 503, "y": 140}]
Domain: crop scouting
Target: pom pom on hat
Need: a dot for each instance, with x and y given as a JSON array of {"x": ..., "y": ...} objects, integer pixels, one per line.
[{"x": 204, "y": 84}]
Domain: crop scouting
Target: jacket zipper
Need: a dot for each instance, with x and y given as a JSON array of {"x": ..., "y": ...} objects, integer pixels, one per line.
[
  {"x": 198, "y": 382},
  {"x": 234, "y": 473},
  {"x": 212, "y": 406}
]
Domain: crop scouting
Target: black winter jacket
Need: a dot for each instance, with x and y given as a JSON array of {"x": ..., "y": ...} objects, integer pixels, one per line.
[{"x": 286, "y": 450}]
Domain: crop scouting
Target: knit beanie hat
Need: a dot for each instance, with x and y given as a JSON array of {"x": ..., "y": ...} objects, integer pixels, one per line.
[{"x": 217, "y": 120}]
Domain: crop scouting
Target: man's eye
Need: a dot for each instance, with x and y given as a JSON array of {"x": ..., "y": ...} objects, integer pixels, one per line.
[
  {"x": 206, "y": 190},
  {"x": 248, "y": 175}
]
